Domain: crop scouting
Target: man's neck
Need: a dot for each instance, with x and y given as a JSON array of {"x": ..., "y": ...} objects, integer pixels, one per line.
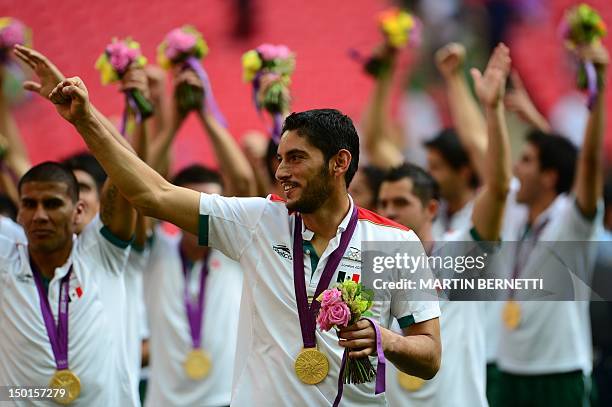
[
  {"x": 459, "y": 201},
  {"x": 193, "y": 254},
  {"x": 425, "y": 235},
  {"x": 46, "y": 263},
  {"x": 324, "y": 221},
  {"x": 539, "y": 206}
]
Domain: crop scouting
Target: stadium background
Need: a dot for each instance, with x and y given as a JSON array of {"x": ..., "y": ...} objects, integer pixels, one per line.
[{"x": 73, "y": 33}]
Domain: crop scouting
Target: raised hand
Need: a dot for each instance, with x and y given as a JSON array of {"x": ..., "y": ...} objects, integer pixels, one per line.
[
  {"x": 273, "y": 94},
  {"x": 450, "y": 59},
  {"x": 188, "y": 92},
  {"x": 596, "y": 53},
  {"x": 136, "y": 79},
  {"x": 517, "y": 100},
  {"x": 47, "y": 72},
  {"x": 490, "y": 86},
  {"x": 71, "y": 100}
]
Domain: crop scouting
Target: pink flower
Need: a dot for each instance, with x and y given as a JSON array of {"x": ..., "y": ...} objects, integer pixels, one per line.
[
  {"x": 416, "y": 35},
  {"x": 282, "y": 52},
  {"x": 270, "y": 52},
  {"x": 331, "y": 297},
  {"x": 323, "y": 320},
  {"x": 12, "y": 34},
  {"x": 339, "y": 314},
  {"x": 121, "y": 56},
  {"x": 179, "y": 42}
]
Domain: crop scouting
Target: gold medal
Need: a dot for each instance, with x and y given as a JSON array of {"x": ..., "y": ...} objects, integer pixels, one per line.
[
  {"x": 409, "y": 382},
  {"x": 511, "y": 314},
  {"x": 311, "y": 366},
  {"x": 70, "y": 382},
  {"x": 197, "y": 364}
]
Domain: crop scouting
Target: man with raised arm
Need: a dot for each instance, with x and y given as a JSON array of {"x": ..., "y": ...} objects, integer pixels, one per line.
[
  {"x": 409, "y": 196},
  {"x": 102, "y": 204},
  {"x": 447, "y": 159},
  {"x": 561, "y": 190},
  {"x": 318, "y": 153}
]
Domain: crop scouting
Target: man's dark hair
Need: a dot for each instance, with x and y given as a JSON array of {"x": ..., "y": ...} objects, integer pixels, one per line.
[
  {"x": 374, "y": 177},
  {"x": 7, "y": 207},
  {"x": 449, "y": 146},
  {"x": 423, "y": 184},
  {"x": 558, "y": 154},
  {"x": 197, "y": 174},
  {"x": 272, "y": 159},
  {"x": 87, "y": 163},
  {"x": 328, "y": 130},
  {"x": 51, "y": 171}
]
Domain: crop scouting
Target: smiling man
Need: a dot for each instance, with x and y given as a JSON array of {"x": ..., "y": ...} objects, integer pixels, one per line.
[{"x": 319, "y": 153}]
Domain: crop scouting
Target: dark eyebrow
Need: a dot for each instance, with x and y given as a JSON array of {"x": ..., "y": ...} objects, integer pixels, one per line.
[
  {"x": 53, "y": 201},
  {"x": 296, "y": 151}
]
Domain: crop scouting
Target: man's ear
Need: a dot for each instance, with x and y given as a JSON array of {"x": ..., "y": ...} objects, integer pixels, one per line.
[
  {"x": 340, "y": 163},
  {"x": 79, "y": 212},
  {"x": 549, "y": 178},
  {"x": 432, "y": 209},
  {"x": 466, "y": 173}
]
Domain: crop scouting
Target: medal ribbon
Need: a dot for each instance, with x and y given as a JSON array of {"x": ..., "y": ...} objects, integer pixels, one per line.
[
  {"x": 592, "y": 89},
  {"x": 306, "y": 312},
  {"x": 380, "y": 368},
  {"x": 58, "y": 335},
  {"x": 129, "y": 101},
  {"x": 195, "y": 311},
  {"x": 522, "y": 253}
]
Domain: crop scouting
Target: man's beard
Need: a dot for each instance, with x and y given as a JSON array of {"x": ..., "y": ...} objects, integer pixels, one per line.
[{"x": 317, "y": 190}]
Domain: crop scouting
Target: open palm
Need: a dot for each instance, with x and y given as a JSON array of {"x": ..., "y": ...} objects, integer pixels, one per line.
[
  {"x": 490, "y": 86},
  {"x": 47, "y": 72}
]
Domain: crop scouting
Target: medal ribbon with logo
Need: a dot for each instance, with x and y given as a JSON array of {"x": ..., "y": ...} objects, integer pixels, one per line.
[
  {"x": 197, "y": 364},
  {"x": 311, "y": 365},
  {"x": 63, "y": 378},
  {"x": 512, "y": 311}
]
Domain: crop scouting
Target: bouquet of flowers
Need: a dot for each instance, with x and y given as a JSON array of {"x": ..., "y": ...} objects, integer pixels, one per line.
[
  {"x": 342, "y": 306},
  {"x": 12, "y": 32},
  {"x": 269, "y": 67},
  {"x": 184, "y": 47},
  {"x": 582, "y": 25},
  {"x": 399, "y": 29},
  {"x": 118, "y": 57},
  {"x": 179, "y": 45}
]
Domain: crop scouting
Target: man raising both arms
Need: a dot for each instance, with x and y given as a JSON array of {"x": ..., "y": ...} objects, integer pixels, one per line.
[{"x": 319, "y": 153}]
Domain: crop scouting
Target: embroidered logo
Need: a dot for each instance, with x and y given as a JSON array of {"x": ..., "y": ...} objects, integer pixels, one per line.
[
  {"x": 353, "y": 253},
  {"x": 282, "y": 251},
  {"x": 25, "y": 278}
]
